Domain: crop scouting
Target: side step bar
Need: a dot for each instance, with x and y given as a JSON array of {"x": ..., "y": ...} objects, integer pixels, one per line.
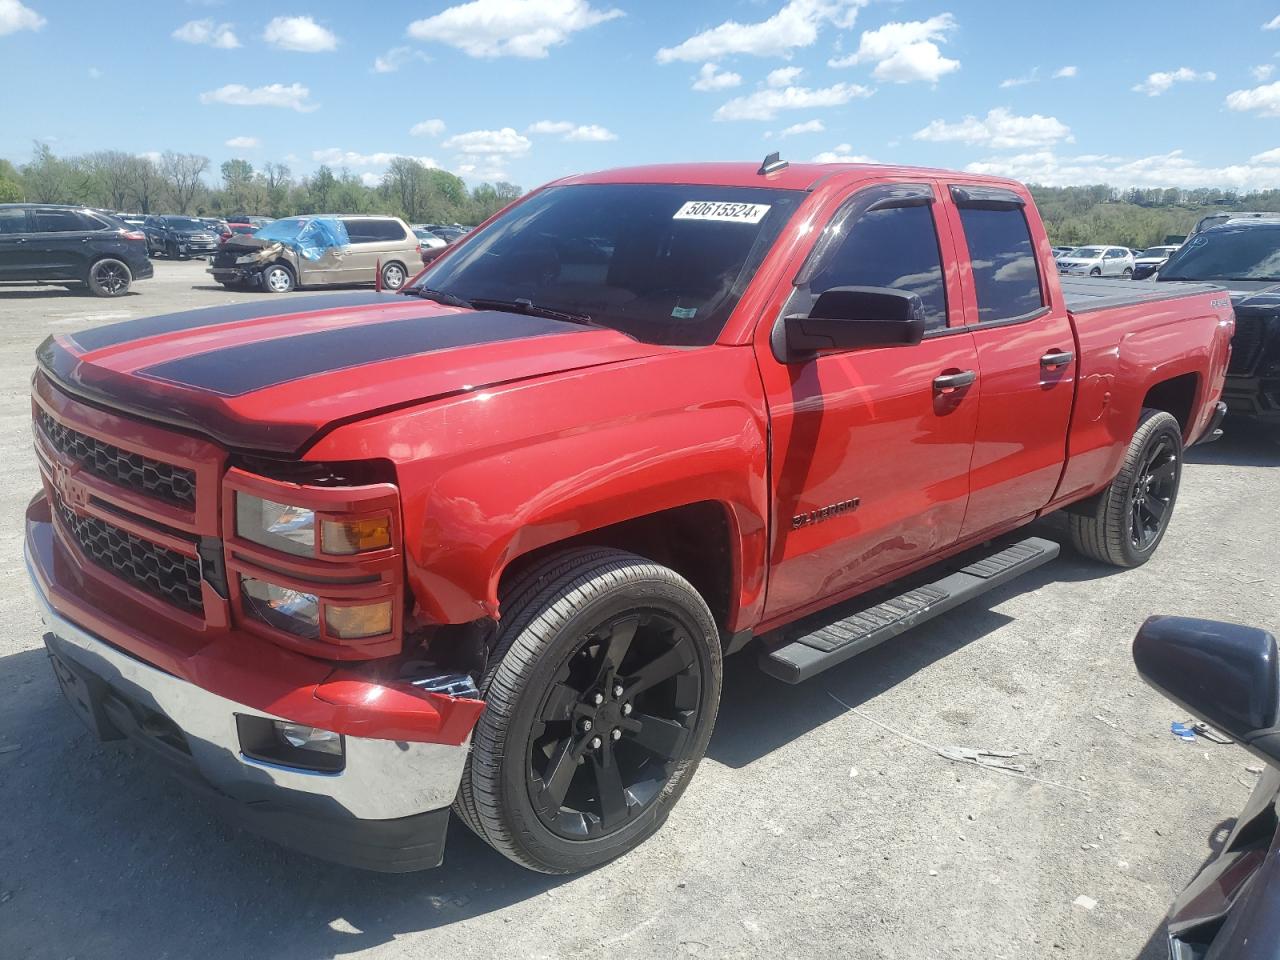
[{"x": 804, "y": 656}]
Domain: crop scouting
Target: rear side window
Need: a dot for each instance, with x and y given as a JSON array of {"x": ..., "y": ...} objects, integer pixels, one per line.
[
  {"x": 1006, "y": 276},
  {"x": 64, "y": 221},
  {"x": 373, "y": 230},
  {"x": 893, "y": 247},
  {"x": 13, "y": 220}
]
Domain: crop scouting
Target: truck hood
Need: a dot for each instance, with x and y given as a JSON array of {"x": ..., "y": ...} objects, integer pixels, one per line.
[
  {"x": 270, "y": 375},
  {"x": 1258, "y": 294}
]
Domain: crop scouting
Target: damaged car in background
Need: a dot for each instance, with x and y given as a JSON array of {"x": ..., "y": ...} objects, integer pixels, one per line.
[{"x": 319, "y": 251}]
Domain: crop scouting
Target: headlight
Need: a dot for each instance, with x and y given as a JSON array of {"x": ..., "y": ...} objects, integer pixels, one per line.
[{"x": 276, "y": 525}]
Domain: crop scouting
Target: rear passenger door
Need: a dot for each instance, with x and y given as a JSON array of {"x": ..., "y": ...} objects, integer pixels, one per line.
[
  {"x": 60, "y": 243},
  {"x": 15, "y": 249},
  {"x": 1026, "y": 356}
]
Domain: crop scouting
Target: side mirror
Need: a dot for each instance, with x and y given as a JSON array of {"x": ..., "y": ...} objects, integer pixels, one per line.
[
  {"x": 1227, "y": 675},
  {"x": 847, "y": 318}
]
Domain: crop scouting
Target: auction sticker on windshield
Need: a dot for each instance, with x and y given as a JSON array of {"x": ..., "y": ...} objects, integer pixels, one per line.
[{"x": 723, "y": 212}]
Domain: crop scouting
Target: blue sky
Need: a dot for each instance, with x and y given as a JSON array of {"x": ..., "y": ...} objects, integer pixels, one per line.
[{"x": 1179, "y": 94}]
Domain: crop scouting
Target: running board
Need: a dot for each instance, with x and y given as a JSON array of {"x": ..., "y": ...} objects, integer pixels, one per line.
[{"x": 804, "y": 656}]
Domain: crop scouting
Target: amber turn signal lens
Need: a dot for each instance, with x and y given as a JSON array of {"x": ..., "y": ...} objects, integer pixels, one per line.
[
  {"x": 353, "y": 623},
  {"x": 355, "y": 536}
]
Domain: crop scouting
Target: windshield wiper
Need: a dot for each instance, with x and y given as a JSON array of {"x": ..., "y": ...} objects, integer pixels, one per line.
[
  {"x": 439, "y": 296},
  {"x": 529, "y": 308}
]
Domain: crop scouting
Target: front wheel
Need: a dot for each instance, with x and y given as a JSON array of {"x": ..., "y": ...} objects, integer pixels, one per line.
[
  {"x": 1095, "y": 272},
  {"x": 600, "y": 698},
  {"x": 277, "y": 278},
  {"x": 109, "y": 278},
  {"x": 1128, "y": 273},
  {"x": 1125, "y": 523}
]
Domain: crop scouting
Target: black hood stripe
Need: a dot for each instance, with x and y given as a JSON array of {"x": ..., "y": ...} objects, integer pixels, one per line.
[
  {"x": 126, "y": 331},
  {"x": 235, "y": 371}
]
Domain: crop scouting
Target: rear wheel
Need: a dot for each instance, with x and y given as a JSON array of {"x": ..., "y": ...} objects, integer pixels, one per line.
[
  {"x": 600, "y": 699},
  {"x": 1095, "y": 272},
  {"x": 277, "y": 278},
  {"x": 109, "y": 278},
  {"x": 1125, "y": 523},
  {"x": 393, "y": 276},
  {"x": 1128, "y": 273}
]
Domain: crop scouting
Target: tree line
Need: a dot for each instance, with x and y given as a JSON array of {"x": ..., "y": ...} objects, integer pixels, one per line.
[{"x": 184, "y": 183}]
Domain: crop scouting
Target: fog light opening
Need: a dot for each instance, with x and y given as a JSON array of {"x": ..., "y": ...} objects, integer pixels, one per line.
[{"x": 288, "y": 744}]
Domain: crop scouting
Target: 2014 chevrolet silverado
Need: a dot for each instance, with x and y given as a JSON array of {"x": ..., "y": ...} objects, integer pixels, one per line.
[{"x": 352, "y": 561}]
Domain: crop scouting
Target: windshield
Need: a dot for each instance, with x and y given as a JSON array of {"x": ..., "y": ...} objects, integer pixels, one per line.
[
  {"x": 664, "y": 263},
  {"x": 1157, "y": 252},
  {"x": 1227, "y": 253},
  {"x": 184, "y": 223},
  {"x": 282, "y": 229},
  {"x": 1087, "y": 253}
]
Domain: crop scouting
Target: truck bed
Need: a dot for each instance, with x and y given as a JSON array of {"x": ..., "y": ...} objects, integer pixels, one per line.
[{"x": 1086, "y": 294}]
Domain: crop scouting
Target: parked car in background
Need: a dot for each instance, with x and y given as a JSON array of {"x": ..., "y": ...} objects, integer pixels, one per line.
[
  {"x": 1150, "y": 260},
  {"x": 137, "y": 220},
  {"x": 238, "y": 229},
  {"x": 1243, "y": 256},
  {"x": 1218, "y": 219},
  {"x": 319, "y": 251},
  {"x": 1061, "y": 251},
  {"x": 449, "y": 234},
  {"x": 249, "y": 218},
  {"x": 1097, "y": 262},
  {"x": 1227, "y": 676},
  {"x": 428, "y": 238},
  {"x": 179, "y": 238},
  {"x": 70, "y": 246}
]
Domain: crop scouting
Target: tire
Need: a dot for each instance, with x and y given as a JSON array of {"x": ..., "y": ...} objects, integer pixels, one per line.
[
  {"x": 564, "y": 619},
  {"x": 394, "y": 276},
  {"x": 109, "y": 277},
  {"x": 278, "y": 278},
  {"x": 1128, "y": 273},
  {"x": 1095, "y": 272},
  {"x": 1121, "y": 525}
]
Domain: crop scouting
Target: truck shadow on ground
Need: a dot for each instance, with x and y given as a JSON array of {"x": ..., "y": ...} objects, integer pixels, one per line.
[{"x": 1244, "y": 443}]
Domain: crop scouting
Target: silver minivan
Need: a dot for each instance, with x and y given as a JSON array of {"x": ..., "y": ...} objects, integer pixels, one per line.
[{"x": 319, "y": 250}]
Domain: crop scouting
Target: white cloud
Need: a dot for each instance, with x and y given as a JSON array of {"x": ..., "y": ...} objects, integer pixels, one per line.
[
  {"x": 370, "y": 179},
  {"x": 207, "y": 33},
  {"x": 797, "y": 24},
  {"x": 1000, "y": 129},
  {"x": 1262, "y": 71},
  {"x": 293, "y": 96},
  {"x": 1272, "y": 24},
  {"x": 14, "y": 17},
  {"x": 765, "y": 104},
  {"x": 809, "y": 126},
  {"x": 510, "y": 28},
  {"x": 397, "y": 57},
  {"x": 1066, "y": 72},
  {"x": 336, "y": 157},
  {"x": 1022, "y": 81},
  {"x": 243, "y": 143},
  {"x": 783, "y": 76},
  {"x": 427, "y": 128},
  {"x": 1160, "y": 82},
  {"x": 95, "y": 73},
  {"x": 841, "y": 154},
  {"x": 711, "y": 77},
  {"x": 567, "y": 130},
  {"x": 301, "y": 34},
  {"x": 1172, "y": 169},
  {"x": 905, "y": 52},
  {"x": 490, "y": 142},
  {"x": 1264, "y": 100}
]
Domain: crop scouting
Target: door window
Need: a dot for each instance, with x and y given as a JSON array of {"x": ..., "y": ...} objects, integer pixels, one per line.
[
  {"x": 64, "y": 221},
  {"x": 13, "y": 220},
  {"x": 890, "y": 246},
  {"x": 373, "y": 230},
  {"x": 1006, "y": 275}
]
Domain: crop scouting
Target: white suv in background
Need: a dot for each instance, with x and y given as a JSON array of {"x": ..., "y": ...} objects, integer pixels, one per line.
[{"x": 1097, "y": 262}]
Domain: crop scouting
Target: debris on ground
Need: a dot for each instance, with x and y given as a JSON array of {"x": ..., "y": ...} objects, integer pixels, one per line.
[
  {"x": 1110, "y": 723},
  {"x": 1087, "y": 902},
  {"x": 983, "y": 758},
  {"x": 1182, "y": 731},
  {"x": 1188, "y": 729}
]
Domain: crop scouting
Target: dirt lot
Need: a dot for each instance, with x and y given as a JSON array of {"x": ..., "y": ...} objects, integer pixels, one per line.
[{"x": 809, "y": 831}]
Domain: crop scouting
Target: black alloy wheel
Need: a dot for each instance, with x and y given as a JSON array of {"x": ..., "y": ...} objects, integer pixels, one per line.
[
  {"x": 109, "y": 278},
  {"x": 1154, "y": 487}
]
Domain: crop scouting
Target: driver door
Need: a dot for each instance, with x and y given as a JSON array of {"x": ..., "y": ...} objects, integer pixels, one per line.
[{"x": 870, "y": 449}]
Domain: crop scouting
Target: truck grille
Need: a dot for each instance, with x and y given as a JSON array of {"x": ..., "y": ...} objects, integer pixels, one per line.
[
  {"x": 1246, "y": 344},
  {"x": 157, "y": 570},
  {"x": 164, "y": 481}
]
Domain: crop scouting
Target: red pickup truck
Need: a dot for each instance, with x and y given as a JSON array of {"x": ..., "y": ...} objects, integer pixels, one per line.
[{"x": 352, "y": 561}]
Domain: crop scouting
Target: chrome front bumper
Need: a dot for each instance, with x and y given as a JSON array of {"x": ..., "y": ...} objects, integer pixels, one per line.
[{"x": 382, "y": 780}]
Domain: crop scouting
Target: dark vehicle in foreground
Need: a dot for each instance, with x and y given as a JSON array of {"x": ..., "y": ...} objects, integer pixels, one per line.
[
  {"x": 1243, "y": 256},
  {"x": 354, "y": 560},
  {"x": 1228, "y": 676},
  {"x": 1219, "y": 219},
  {"x": 70, "y": 246},
  {"x": 180, "y": 238},
  {"x": 1148, "y": 261}
]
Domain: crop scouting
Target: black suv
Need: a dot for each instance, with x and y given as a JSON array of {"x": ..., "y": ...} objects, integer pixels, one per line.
[
  {"x": 1243, "y": 256},
  {"x": 70, "y": 246},
  {"x": 179, "y": 238}
]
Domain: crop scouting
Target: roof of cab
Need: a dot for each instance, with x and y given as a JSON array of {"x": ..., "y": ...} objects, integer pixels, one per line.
[{"x": 794, "y": 176}]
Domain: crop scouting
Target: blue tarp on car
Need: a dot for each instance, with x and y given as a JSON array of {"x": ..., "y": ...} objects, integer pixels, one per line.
[{"x": 308, "y": 237}]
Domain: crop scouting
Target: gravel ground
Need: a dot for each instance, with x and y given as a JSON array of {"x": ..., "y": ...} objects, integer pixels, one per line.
[{"x": 809, "y": 831}]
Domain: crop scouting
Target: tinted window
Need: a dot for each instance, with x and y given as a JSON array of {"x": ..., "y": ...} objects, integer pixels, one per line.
[
  {"x": 895, "y": 247},
  {"x": 13, "y": 220},
  {"x": 371, "y": 230},
  {"x": 1006, "y": 276},
  {"x": 1227, "y": 253},
  {"x": 665, "y": 263},
  {"x": 64, "y": 221}
]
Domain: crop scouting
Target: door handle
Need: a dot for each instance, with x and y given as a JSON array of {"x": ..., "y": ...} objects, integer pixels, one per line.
[
  {"x": 1057, "y": 358},
  {"x": 951, "y": 382}
]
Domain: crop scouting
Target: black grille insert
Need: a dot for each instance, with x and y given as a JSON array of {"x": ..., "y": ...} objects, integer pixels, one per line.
[
  {"x": 133, "y": 471},
  {"x": 1246, "y": 344},
  {"x": 157, "y": 570}
]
